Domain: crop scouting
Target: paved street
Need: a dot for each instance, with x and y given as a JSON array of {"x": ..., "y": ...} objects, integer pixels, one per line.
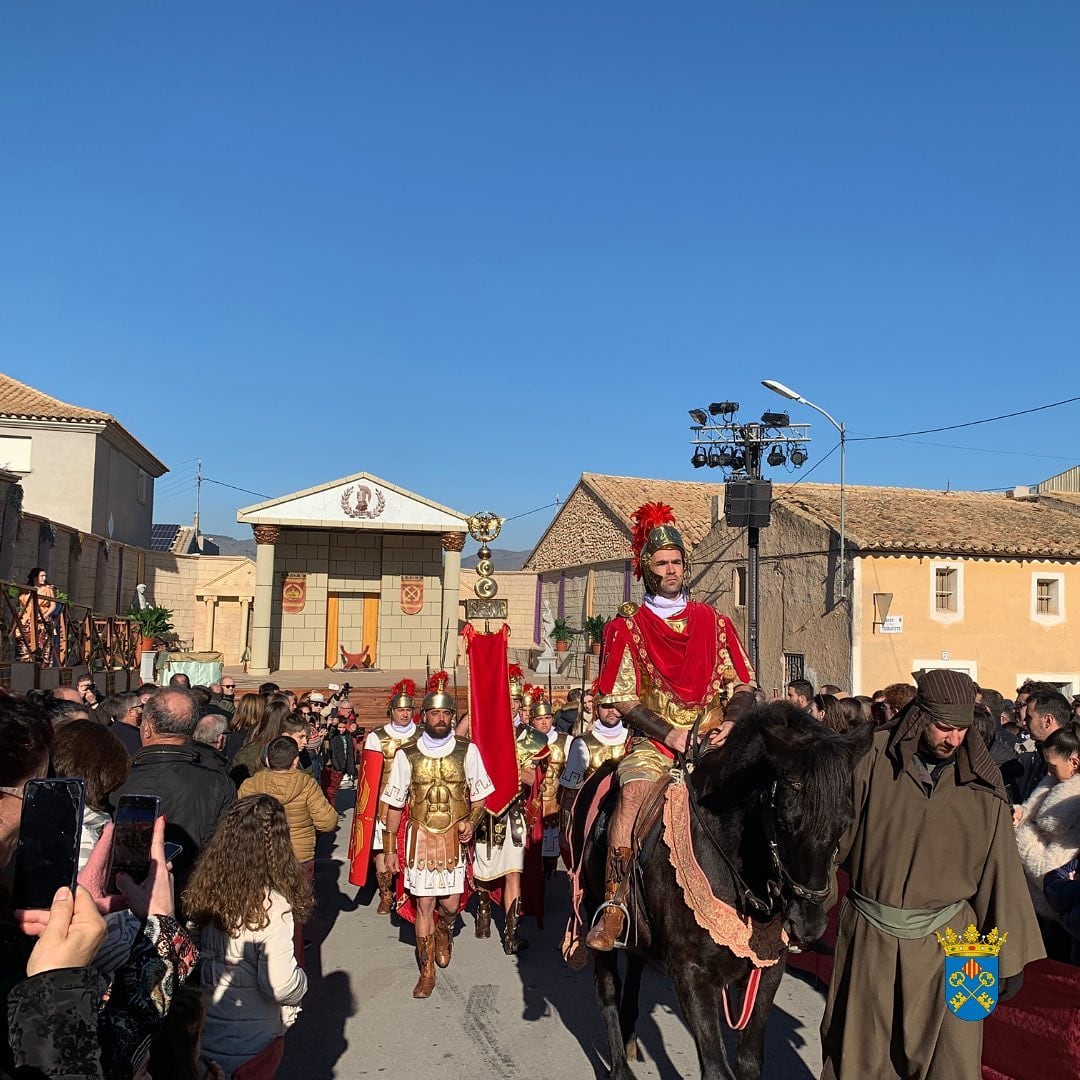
[{"x": 491, "y": 1017}]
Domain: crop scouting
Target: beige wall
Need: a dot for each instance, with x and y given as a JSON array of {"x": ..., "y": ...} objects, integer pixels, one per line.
[
  {"x": 997, "y": 639},
  {"x": 351, "y": 563},
  {"x": 797, "y": 613},
  {"x": 60, "y": 483},
  {"x": 518, "y": 588},
  {"x": 116, "y": 494}
]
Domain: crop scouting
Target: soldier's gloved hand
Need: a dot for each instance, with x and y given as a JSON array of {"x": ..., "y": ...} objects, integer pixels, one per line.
[{"x": 1010, "y": 986}]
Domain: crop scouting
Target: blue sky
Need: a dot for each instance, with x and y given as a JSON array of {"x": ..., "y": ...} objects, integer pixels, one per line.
[{"x": 479, "y": 248}]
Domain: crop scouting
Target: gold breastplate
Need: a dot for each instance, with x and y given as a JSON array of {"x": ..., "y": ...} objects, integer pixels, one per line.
[
  {"x": 438, "y": 791},
  {"x": 600, "y": 751},
  {"x": 549, "y": 790},
  {"x": 389, "y": 747}
]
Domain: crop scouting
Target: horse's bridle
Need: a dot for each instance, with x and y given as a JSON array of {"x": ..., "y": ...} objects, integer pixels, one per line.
[{"x": 782, "y": 876}]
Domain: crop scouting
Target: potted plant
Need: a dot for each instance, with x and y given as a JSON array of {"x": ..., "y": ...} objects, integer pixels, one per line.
[
  {"x": 594, "y": 627},
  {"x": 153, "y": 622},
  {"x": 561, "y": 633}
]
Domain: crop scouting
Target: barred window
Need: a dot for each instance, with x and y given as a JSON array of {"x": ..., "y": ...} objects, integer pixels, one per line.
[
  {"x": 794, "y": 667},
  {"x": 945, "y": 589}
]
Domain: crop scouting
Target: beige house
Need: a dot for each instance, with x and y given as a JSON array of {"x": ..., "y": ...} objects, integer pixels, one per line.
[
  {"x": 357, "y": 566},
  {"x": 973, "y": 581},
  {"x": 77, "y": 466}
]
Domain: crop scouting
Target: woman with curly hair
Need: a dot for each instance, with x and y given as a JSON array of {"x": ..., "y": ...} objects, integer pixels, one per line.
[{"x": 244, "y": 895}]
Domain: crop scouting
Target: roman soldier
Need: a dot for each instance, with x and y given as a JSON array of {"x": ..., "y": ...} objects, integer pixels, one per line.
[
  {"x": 667, "y": 664},
  {"x": 501, "y": 840},
  {"x": 444, "y": 782},
  {"x": 542, "y": 719},
  {"x": 399, "y": 731},
  {"x": 606, "y": 740}
]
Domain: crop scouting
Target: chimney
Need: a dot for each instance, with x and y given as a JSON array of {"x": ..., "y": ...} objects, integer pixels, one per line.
[{"x": 1022, "y": 491}]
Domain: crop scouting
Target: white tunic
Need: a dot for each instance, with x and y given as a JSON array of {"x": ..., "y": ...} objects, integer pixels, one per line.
[
  {"x": 372, "y": 743},
  {"x": 424, "y": 882}
]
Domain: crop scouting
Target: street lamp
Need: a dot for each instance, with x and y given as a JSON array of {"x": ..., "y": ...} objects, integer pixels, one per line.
[{"x": 792, "y": 395}]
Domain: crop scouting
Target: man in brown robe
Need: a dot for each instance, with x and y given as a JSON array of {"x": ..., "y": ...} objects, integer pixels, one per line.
[{"x": 931, "y": 846}]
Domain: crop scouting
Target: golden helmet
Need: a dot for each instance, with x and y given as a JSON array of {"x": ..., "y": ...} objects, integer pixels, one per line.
[
  {"x": 438, "y": 697},
  {"x": 402, "y": 696}
]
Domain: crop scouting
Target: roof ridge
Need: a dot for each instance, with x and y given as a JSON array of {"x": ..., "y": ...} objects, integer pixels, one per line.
[{"x": 59, "y": 406}]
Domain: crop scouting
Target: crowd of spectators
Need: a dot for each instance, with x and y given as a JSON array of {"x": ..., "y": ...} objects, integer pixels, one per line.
[{"x": 198, "y": 971}]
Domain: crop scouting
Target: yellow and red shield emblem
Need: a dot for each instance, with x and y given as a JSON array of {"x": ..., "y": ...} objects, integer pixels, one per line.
[
  {"x": 412, "y": 595},
  {"x": 293, "y": 593}
]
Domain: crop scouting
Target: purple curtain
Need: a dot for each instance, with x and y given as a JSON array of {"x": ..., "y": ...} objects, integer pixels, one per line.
[
  {"x": 626, "y": 581},
  {"x": 537, "y": 606},
  {"x": 562, "y": 594}
]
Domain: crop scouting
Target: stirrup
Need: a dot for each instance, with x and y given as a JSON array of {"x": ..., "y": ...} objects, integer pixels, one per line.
[{"x": 626, "y": 921}]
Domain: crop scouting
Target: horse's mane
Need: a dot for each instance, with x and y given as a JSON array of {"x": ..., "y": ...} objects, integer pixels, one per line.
[{"x": 822, "y": 760}]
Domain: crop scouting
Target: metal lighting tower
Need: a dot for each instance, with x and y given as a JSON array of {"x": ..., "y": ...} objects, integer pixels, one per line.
[{"x": 723, "y": 443}]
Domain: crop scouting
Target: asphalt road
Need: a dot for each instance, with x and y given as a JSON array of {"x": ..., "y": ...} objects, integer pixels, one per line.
[{"x": 492, "y": 1017}]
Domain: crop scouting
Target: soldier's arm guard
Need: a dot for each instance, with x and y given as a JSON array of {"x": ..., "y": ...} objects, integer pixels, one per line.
[
  {"x": 476, "y": 814},
  {"x": 389, "y": 842},
  {"x": 642, "y": 719}
]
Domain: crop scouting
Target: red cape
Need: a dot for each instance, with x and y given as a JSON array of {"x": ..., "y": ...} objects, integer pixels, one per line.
[{"x": 691, "y": 667}]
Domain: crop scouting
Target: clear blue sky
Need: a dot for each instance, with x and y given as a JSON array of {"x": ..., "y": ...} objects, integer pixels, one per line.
[{"x": 478, "y": 248}]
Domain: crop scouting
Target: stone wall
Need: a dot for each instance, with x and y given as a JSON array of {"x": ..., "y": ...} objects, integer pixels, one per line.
[
  {"x": 583, "y": 533},
  {"x": 352, "y": 564},
  {"x": 518, "y": 588}
]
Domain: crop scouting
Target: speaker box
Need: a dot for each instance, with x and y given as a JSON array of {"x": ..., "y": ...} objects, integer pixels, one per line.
[{"x": 747, "y": 503}]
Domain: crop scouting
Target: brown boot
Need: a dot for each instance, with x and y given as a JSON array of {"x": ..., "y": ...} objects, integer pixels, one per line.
[
  {"x": 483, "y": 913},
  {"x": 385, "y": 881},
  {"x": 608, "y": 929},
  {"x": 444, "y": 937},
  {"x": 425, "y": 958},
  {"x": 511, "y": 942}
]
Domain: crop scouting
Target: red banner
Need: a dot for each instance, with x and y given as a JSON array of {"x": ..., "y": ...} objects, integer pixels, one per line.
[
  {"x": 363, "y": 828},
  {"x": 491, "y": 722}
]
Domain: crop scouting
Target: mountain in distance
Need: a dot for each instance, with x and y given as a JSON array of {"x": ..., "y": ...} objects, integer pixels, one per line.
[
  {"x": 229, "y": 545},
  {"x": 503, "y": 558}
]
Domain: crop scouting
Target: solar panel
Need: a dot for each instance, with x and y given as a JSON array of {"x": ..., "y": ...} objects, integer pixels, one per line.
[{"x": 162, "y": 537}]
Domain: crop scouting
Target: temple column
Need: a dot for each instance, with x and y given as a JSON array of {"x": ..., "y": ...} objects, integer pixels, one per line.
[
  {"x": 266, "y": 536},
  {"x": 452, "y": 545},
  {"x": 211, "y": 609}
]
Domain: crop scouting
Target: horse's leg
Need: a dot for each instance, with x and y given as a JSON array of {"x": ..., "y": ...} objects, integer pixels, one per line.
[
  {"x": 750, "y": 1046},
  {"x": 699, "y": 996},
  {"x": 628, "y": 1009},
  {"x": 608, "y": 992}
]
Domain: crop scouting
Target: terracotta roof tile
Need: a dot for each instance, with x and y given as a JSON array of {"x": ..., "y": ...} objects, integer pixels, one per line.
[
  {"x": 878, "y": 518},
  {"x": 25, "y": 403}
]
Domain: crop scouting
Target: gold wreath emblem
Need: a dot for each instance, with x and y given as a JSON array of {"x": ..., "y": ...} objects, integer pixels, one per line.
[
  {"x": 485, "y": 526},
  {"x": 362, "y": 509}
]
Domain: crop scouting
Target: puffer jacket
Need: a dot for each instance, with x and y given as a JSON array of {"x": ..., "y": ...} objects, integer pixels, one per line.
[
  {"x": 306, "y": 808},
  {"x": 1048, "y": 834}
]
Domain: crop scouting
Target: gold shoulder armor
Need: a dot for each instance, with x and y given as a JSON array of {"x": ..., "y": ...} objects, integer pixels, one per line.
[{"x": 628, "y": 610}]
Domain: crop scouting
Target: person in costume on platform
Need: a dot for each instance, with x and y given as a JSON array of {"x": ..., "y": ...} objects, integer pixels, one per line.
[
  {"x": 399, "y": 732},
  {"x": 445, "y": 783},
  {"x": 931, "y": 847},
  {"x": 542, "y": 718},
  {"x": 500, "y": 841},
  {"x": 666, "y": 663}
]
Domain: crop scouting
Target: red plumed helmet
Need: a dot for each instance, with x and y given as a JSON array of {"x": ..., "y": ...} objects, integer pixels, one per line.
[
  {"x": 438, "y": 681},
  {"x": 645, "y": 519}
]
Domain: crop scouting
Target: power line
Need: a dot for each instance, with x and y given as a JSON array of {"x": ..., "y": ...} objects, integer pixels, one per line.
[
  {"x": 557, "y": 502},
  {"x": 969, "y": 423},
  {"x": 989, "y": 450},
  {"x": 233, "y": 487}
]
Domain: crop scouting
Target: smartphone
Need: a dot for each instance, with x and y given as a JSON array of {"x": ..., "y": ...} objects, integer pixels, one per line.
[
  {"x": 173, "y": 851},
  {"x": 47, "y": 857},
  {"x": 133, "y": 831}
]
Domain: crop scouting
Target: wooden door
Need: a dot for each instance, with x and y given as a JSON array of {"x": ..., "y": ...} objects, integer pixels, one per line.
[
  {"x": 332, "y": 606},
  {"x": 371, "y": 626}
]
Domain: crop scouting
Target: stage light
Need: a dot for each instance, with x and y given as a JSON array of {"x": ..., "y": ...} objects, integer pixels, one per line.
[
  {"x": 699, "y": 458},
  {"x": 776, "y": 456},
  {"x": 724, "y": 408},
  {"x": 798, "y": 457},
  {"x": 699, "y": 416},
  {"x": 775, "y": 419},
  {"x": 714, "y": 458}
]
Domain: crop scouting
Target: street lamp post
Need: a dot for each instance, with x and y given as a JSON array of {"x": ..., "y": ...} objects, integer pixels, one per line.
[{"x": 785, "y": 391}]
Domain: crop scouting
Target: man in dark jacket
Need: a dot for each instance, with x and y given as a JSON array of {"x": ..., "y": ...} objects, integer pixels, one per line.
[
  {"x": 334, "y": 763},
  {"x": 193, "y": 797}
]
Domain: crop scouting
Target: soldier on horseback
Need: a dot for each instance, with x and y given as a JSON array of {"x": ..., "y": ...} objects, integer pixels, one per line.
[{"x": 666, "y": 665}]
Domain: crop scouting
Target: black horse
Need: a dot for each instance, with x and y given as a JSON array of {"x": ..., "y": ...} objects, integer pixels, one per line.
[{"x": 767, "y": 811}]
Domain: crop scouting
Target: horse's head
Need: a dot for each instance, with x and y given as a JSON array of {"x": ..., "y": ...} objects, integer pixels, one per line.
[{"x": 807, "y": 809}]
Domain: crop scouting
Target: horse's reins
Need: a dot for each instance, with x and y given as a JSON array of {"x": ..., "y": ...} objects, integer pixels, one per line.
[{"x": 775, "y": 885}]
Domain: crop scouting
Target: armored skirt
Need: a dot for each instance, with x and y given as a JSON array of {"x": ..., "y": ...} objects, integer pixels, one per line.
[
  {"x": 434, "y": 777},
  {"x": 500, "y": 845}
]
